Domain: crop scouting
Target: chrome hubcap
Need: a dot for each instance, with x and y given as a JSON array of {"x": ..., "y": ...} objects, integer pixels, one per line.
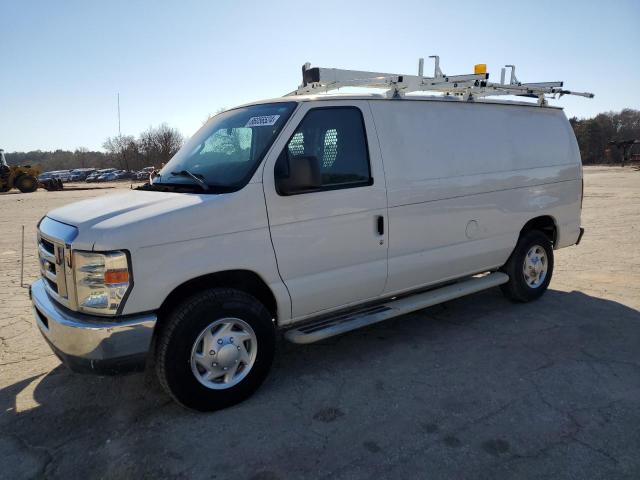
[
  {"x": 223, "y": 353},
  {"x": 535, "y": 266}
]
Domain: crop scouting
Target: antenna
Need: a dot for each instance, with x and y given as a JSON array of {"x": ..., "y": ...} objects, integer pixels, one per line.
[
  {"x": 119, "y": 132},
  {"x": 470, "y": 86}
]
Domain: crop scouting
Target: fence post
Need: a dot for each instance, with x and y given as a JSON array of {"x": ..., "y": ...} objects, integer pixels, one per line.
[{"x": 22, "y": 260}]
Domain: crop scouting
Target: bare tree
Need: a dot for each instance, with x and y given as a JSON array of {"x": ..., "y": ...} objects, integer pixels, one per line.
[
  {"x": 124, "y": 149},
  {"x": 169, "y": 141},
  {"x": 158, "y": 145},
  {"x": 80, "y": 156}
]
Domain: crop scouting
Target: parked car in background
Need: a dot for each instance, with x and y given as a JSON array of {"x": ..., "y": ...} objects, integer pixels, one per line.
[
  {"x": 108, "y": 177},
  {"x": 81, "y": 174},
  {"x": 143, "y": 174},
  {"x": 63, "y": 175},
  {"x": 94, "y": 177},
  {"x": 123, "y": 174}
]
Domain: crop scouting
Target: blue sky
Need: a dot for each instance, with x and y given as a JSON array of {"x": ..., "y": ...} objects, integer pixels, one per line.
[{"x": 64, "y": 62}]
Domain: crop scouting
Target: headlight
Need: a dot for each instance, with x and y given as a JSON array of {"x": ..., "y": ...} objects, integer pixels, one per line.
[{"x": 102, "y": 281}]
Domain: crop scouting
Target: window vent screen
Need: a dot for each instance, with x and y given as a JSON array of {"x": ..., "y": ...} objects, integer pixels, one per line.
[
  {"x": 296, "y": 144},
  {"x": 330, "y": 148}
]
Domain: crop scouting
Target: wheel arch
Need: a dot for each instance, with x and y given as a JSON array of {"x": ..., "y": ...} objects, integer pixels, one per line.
[
  {"x": 544, "y": 223},
  {"x": 244, "y": 280}
]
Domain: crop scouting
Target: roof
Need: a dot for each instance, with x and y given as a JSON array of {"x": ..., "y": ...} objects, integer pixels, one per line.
[{"x": 377, "y": 96}]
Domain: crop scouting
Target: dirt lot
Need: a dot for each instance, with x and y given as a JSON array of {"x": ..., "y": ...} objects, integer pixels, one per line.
[{"x": 475, "y": 388}]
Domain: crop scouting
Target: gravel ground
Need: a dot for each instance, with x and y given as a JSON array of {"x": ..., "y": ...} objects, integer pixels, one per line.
[{"x": 475, "y": 388}]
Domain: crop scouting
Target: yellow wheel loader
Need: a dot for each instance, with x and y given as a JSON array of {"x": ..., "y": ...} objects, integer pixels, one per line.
[{"x": 23, "y": 177}]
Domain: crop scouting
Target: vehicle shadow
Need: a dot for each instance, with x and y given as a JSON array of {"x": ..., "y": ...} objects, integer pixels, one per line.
[{"x": 431, "y": 371}]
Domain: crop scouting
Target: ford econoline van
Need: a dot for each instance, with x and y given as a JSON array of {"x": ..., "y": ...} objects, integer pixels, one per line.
[{"x": 309, "y": 215}]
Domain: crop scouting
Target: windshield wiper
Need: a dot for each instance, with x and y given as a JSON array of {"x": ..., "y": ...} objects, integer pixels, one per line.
[{"x": 187, "y": 173}]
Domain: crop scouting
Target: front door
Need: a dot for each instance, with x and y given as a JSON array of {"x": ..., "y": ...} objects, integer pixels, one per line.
[{"x": 330, "y": 242}]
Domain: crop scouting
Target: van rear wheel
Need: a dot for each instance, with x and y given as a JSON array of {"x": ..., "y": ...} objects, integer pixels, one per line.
[
  {"x": 529, "y": 267},
  {"x": 216, "y": 349}
]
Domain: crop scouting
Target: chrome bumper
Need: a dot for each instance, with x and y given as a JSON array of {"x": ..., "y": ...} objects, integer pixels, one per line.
[{"x": 90, "y": 343}]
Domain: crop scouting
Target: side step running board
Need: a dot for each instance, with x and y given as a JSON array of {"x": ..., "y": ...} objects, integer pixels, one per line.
[{"x": 329, "y": 327}]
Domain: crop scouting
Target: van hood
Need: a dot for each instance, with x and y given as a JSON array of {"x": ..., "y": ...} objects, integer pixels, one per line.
[
  {"x": 141, "y": 218},
  {"x": 118, "y": 208}
]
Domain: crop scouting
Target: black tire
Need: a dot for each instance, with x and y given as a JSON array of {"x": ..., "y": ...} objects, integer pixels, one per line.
[
  {"x": 184, "y": 325},
  {"x": 26, "y": 183},
  {"x": 517, "y": 288}
]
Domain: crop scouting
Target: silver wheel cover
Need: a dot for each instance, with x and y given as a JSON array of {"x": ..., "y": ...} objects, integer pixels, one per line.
[
  {"x": 224, "y": 353},
  {"x": 535, "y": 266}
]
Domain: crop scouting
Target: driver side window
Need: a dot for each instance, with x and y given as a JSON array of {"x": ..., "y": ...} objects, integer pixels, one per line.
[{"x": 336, "y": 137}]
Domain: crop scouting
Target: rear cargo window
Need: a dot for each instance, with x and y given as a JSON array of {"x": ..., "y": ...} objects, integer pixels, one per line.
[{"x": 335, "y": 136}]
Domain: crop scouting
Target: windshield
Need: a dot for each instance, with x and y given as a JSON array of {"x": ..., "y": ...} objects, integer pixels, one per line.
[{"x": 228, "y": 149}]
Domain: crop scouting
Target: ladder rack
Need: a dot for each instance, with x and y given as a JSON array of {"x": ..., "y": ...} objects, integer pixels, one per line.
[{"x": 469, "y": 86}]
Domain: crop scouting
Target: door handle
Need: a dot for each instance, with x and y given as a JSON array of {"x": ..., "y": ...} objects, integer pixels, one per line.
[{"x": 380, "y": 224}]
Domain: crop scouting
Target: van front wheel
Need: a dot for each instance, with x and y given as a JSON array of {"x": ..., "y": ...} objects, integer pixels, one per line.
[
  {"x": 215, "y": 349},
  {"x": 529, "y": 267}
]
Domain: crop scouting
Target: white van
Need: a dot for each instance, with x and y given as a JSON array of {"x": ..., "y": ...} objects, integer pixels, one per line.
[{"x": 312, "y": 215}]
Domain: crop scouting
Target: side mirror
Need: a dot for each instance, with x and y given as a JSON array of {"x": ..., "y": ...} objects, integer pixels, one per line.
[{"x": 296, "y": 174}]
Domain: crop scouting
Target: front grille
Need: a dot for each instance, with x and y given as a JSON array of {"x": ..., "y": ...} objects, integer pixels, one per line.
[
  {"x": 54, "y": 255},
  {"x": 47, "y": 246},
  {"x": 52, "y": 285},
  {"x": 51, "y": 256}
]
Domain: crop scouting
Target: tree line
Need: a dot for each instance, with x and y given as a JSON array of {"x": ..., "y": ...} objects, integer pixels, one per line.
[
  {"x": 153, "y": 147},
  {"x": 156, "y": 146},
  {"x": 594, "y": 135}
]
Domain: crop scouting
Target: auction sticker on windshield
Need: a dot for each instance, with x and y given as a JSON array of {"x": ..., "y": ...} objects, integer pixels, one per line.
[{"x": 263, "y": 121}]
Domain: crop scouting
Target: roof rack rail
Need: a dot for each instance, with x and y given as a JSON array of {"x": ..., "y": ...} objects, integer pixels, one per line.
[{"x": 469, "y": 86}]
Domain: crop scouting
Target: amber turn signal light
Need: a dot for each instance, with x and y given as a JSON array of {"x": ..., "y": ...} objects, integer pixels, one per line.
[{"x": 116, "y": 276}]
